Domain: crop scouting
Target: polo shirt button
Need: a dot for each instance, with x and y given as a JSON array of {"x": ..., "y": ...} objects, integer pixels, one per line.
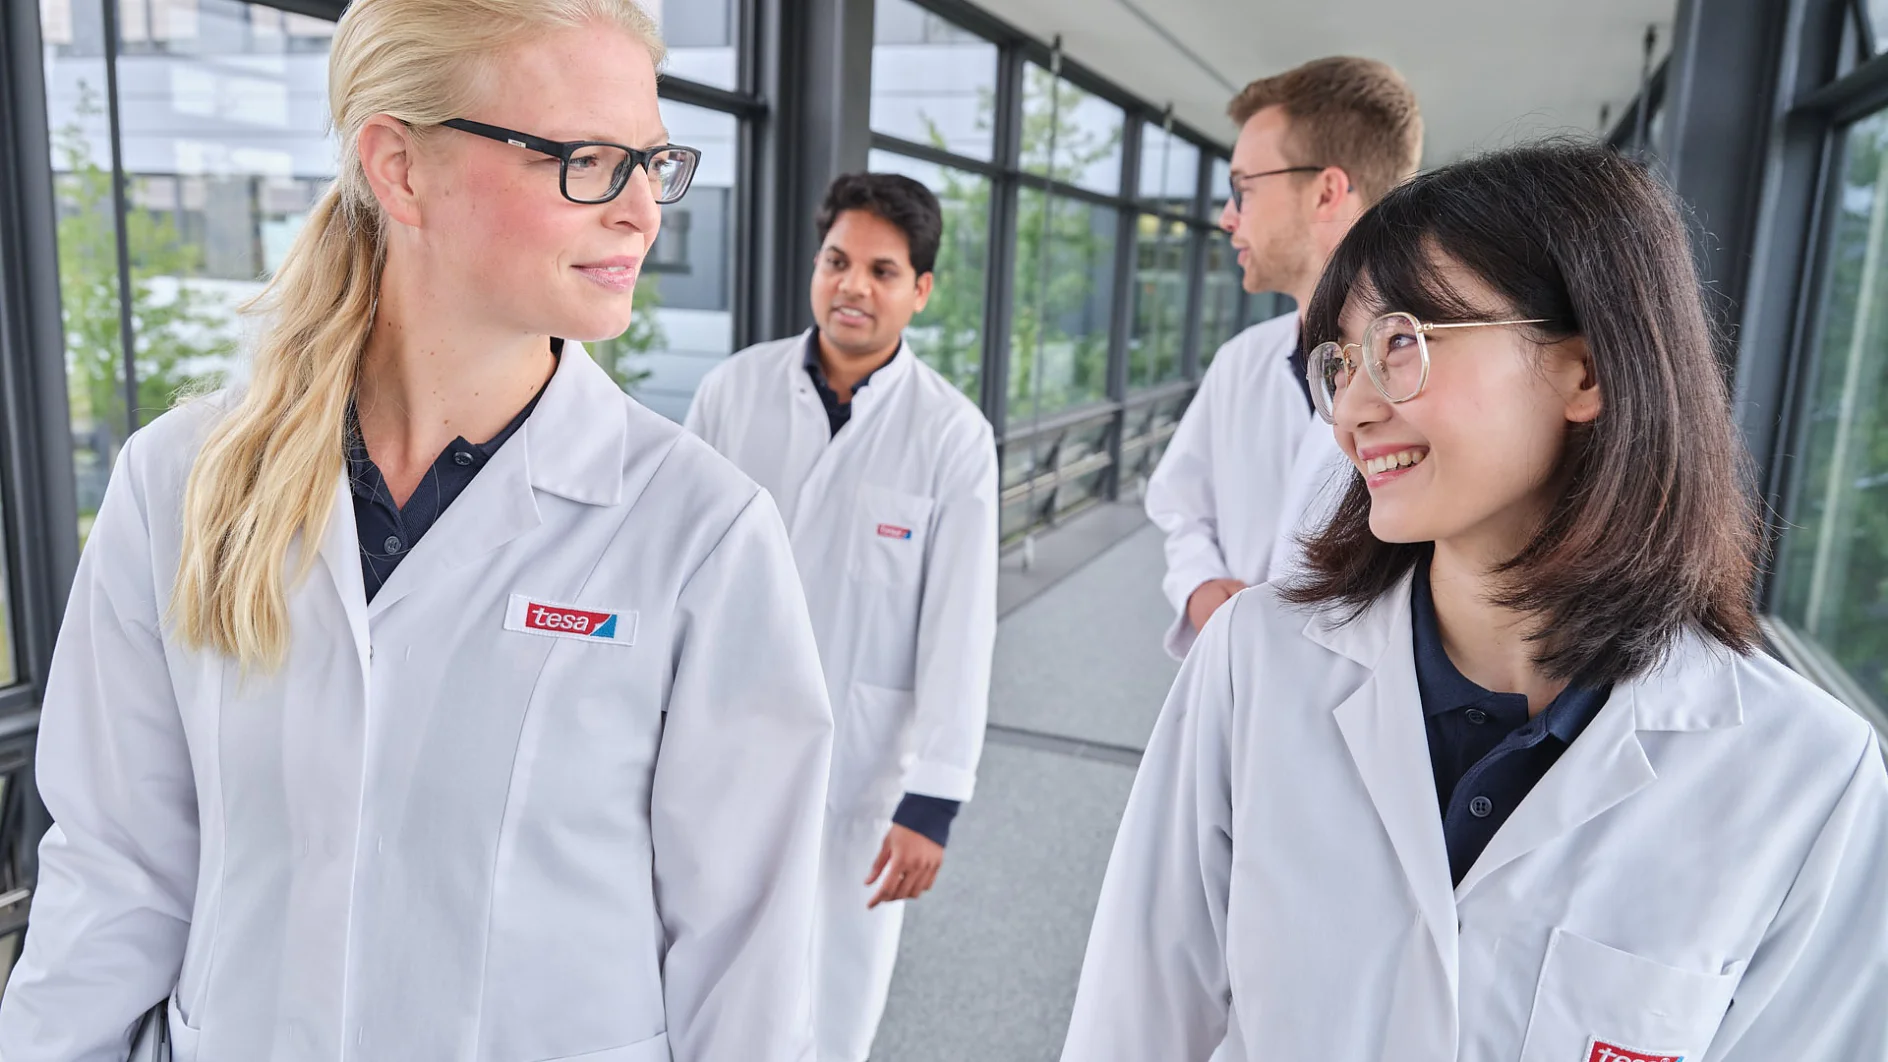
[
  {"x": 1477, "y": 716},
  {"x": 462, "y": 459},
  {"x": 1481, "y": 807},
  {"x": 393, "y": 544}
]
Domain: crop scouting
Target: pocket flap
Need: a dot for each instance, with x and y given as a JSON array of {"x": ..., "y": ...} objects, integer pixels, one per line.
[{"x": 1593, "y": 999}]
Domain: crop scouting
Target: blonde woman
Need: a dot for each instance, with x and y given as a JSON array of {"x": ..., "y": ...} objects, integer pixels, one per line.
[{"x": 431, "y": 700}]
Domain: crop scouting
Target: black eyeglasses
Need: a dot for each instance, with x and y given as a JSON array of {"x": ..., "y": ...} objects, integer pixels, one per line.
[
  {"x": 596, "y": 171},
  {"x": 1239, "y": 194}
]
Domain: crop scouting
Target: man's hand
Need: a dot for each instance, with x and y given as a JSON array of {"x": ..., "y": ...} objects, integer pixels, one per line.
[
  {"x": 909, "y": 862},
  {"x": 1206, "y": 599}
]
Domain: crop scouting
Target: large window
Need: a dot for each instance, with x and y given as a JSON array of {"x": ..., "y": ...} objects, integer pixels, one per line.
[
  {"x": 703, "y": 38},
  {"x": 932, "y": 83},
  {"x": 1833, "y": 571},
  {"x": 1088, "y": 212},
  {"x": 221, "y": 109},
  {"x": 684, "y": 305},
  {"x": 948, "y": 335},
  {"x": 1160, "y": 300},
  {"x": 1063, "y": 294}
]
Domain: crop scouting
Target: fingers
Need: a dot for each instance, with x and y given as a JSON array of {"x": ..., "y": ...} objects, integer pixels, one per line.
[{"x": 884, "y": 857}]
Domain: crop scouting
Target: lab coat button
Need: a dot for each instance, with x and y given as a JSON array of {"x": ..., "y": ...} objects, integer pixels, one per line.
[
  {"x": 1477, "y": 716},
  {"x": 392, "y": 545},
  {"x": 1481, "y": 807}
]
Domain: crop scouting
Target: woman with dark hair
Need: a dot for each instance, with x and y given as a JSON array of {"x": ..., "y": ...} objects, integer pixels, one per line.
[{"x": 1505, "y": 774}]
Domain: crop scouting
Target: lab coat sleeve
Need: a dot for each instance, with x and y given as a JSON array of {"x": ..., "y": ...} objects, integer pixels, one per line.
[
  {"x": 1154, "y": 984},
  {"x": 957, "y": 626},
  {"x": 1180, "y": 502},
  {"x": 737, "y": 803},
  {"x": 1816, "y": 989},
  {"x": 118, "y": 869}
]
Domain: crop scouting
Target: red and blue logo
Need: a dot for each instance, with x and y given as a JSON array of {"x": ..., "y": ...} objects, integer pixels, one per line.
[
  {"x": 569, "y": 621},
  {"x": 533, "y": 616},
  {"x": 893, "y": 531}
]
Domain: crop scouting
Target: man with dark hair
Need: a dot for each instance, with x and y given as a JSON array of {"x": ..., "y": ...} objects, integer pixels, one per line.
[
  {"x": 1250, "y": 464},
  {"x": 887, "y": 478}
]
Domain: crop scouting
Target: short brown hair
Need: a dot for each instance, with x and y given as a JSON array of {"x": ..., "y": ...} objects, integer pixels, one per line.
[
  {"x": 1655, "y": 530},
  {"x": 1355, "y": 114}
]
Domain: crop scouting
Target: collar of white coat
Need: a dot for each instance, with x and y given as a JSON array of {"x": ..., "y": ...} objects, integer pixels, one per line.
[
  {"x": 1695, "y": 688},
  {"x": 576, "y": 439},
  {"x": 884, "y": 381}
]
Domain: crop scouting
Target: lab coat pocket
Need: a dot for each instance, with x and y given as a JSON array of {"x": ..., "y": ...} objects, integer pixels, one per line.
[
  {"x": 183, "y": 1038},
  {"x": 890, "y": 529},
  {"x": 1598, "y": 1004},
  {"x": 869, "y": 750},
  {"x": 655, "y": 1049}
]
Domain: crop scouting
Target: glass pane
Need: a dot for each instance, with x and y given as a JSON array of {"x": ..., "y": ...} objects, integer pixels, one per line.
[
  {"x": 9, "y": 672},
  {"x": 1083, "y": 132},
  {"x": 1059, "y": 338},
  {"x": 1218, "y": 189},
  {"x": 1160, "y": 301},
  {"x": 1219, "y": 306},
  {"x": 1834, "y": 558},
  {"x": 1878, "y": 22},
  {"x": 684, "y": 303},
  {"x": 87, "y": 236},
  {"x": 703, "y": 42},
  {"x": 948, "y": 335},
  {"x": 1170, "y": 170},
  {"x": 223, "y": 109},
  {"x": 932, "y": 82}
]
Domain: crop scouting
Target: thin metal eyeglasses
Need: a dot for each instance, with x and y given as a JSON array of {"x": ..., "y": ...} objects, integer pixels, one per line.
[
  {"x": 1395, "y": 354},
  {"x": 597, "y": 171},
  {"x": 1237, "y": 181}
]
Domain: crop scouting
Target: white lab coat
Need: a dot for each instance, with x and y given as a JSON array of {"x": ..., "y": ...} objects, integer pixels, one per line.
[
  {"x": 894, "y": 525},
  {"x": 1249, "y": 469},
  {"x": 435, "y": 833},
  {"x": 1280, "y": 889}
]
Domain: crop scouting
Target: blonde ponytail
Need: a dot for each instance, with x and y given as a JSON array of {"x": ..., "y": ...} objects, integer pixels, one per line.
[{"x": 268, "y": 471}]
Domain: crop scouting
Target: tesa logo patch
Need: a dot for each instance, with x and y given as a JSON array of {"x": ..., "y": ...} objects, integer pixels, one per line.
[
  {"x": 893, "y": 531},
  {"x": 1601, "y": 1051},
  {"x": 569, "y": 621}
]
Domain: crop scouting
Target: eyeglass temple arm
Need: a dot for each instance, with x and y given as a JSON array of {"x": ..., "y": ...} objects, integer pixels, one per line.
[{"x": 1483, "y": 324}]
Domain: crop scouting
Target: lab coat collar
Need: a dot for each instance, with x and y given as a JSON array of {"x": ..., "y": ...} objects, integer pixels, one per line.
[
  {"x": 577, "y": 439},
  {"x": 573, "y": 446},
  {"x": 1382, "y": 723},
  {"x": 885, "y": 379}
]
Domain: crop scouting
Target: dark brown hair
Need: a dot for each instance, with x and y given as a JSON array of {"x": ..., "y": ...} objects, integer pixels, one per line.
[
  {"x": 1655, "y": 531},
  {"x": 1355, "y": 114},
  {"x": 896, "y": 198}
]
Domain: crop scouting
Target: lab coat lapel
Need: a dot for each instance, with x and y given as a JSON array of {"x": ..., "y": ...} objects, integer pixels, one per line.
[
  {"x": 1382, "y": 724},
  {"x": 340, "y": 556},
  {"x": 573, "y": 445},
  {"x": 868, "y": 405},
  {"x": 1695, "y": 690}
]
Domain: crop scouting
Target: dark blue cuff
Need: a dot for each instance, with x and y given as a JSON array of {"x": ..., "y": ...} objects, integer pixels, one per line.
[{"x": 930, "y": 816}]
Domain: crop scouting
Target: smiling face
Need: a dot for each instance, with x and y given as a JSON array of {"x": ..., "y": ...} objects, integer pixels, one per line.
[
  {"x": 864, "y": 289},
  {"x": 1471, "y": 460},
  {"x": 492, "y": 232}
]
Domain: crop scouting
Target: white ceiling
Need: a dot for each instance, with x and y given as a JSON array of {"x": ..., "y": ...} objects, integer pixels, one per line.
[{"x": 1487, "y": 72}]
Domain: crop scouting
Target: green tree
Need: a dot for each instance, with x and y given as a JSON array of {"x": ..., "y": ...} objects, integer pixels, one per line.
[
  {"x": 618, "y": 356},
  {"x": 1077, "y": 241},
  {"x": 181, "y": 332}
]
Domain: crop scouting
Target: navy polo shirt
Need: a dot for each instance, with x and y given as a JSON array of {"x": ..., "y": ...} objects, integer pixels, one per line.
[
  {"x": 927, "y": 815},
  {"x": 388, "y": 532},
  {"x": 1486, "y": 753},
  {"x": 837, "y": 412}
]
